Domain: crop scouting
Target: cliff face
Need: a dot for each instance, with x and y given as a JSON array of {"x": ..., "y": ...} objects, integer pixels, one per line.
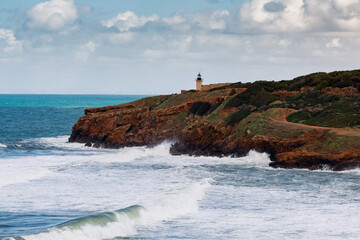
[
  {"x": 293, "y": 124},
  {"x": 145, "y": 122}
]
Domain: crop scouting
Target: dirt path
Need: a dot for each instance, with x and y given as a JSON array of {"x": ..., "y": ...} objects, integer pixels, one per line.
[{"x": 340, "y": 131}]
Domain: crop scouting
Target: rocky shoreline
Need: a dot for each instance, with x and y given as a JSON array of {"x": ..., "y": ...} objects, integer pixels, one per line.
[{"x": 203, "y": 123}]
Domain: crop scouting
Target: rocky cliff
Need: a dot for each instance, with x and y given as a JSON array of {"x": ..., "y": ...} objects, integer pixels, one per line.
[{"x": 309, "y": 122}]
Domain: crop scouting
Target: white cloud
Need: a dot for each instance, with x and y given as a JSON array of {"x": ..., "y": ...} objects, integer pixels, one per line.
[
  {"x": 300, "y": 16},
  {"x": 334, "y": 43},
  {"x": 216, "y": 20},
  {"x": 290, "y": 17},
  {"x": 119, "y": 38},
  {"x": 285, "y": 42},
  {"x": 173, "y": 20},
  {"x": 8, "y": 42},
  {"x": 181, "y": 22},
  {"x": 52, "y": 15},
  {"x": 285, "y": 30},
  {"x": 182, "y": 43},
  {"x": 85, "y": 51},
  {"x": 91, "y": 46},
  {"x": 128, "y": 20}
]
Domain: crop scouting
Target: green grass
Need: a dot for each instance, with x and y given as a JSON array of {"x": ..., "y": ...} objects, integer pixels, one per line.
[
  {"x": 255, "y": 123},
  {"x": 214, "y": 118},
  {"x": 171, "y": 101},
  {"x": 262, "y": 124},
  {"x": 332, "y": 143},
  {"x": 343, "y": 113},
  {"x": 239, "y": 115},
  {"x": 176, "y": 99},
  {"x": 151, "y": 102},
  {"x": 252, "y": 96},
  {"x": 334, "y": 79}
]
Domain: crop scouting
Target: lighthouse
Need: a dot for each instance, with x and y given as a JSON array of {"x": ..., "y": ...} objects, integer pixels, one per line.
[{"x": 199, "y": 82}]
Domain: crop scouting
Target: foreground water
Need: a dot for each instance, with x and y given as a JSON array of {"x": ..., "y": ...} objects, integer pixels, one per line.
[{"x": 52, "y": 189}]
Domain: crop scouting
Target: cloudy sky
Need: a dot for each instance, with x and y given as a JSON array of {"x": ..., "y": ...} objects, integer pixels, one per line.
[{"x": 159, "y": 46}]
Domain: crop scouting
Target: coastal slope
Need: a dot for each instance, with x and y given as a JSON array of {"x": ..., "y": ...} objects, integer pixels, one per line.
[{"x": 312, "y": 121}]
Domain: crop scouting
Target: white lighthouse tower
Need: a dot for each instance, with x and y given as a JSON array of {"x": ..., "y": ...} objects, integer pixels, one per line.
[{"x": 199, "y": 83}]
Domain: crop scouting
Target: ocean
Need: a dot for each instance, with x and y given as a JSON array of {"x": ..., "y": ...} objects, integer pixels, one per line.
[{"x": 52, "y": 189}]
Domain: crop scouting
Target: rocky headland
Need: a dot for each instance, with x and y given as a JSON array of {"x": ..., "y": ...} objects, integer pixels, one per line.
[{"x": 311, "y": 122}]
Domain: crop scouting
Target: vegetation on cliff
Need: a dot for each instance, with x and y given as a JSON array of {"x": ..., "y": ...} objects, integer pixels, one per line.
[{"x": 312, "y": 121}]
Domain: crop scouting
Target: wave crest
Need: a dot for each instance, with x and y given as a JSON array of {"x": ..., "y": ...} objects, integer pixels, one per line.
[{"x": 123, "y": 222}]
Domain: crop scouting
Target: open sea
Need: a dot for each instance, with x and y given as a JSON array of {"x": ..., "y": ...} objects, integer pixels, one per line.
[{"x": 52, "y": 189}]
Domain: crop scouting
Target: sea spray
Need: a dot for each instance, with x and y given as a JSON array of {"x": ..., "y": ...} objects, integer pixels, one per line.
[
  {"x": 181, "y": 204},
  {"x": 129, "y": 154},
  {"x": 123, "y": 222},
  {"x": 255, "y": 159}
]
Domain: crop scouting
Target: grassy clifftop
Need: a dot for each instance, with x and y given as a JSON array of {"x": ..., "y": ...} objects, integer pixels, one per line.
[{"x": 323, "y": 99}]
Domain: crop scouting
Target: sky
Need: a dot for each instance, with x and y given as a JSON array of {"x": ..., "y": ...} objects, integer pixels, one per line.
[{"x": 159, "y": 46}]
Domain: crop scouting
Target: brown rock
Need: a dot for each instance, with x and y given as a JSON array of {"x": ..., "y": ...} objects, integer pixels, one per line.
[{"x": 147, "y": 122}]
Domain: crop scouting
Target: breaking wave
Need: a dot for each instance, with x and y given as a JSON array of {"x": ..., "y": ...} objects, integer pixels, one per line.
[{"x": 123, "y": 222}]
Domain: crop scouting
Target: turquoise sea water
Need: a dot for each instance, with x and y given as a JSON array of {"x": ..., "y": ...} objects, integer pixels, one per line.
[
  {"x": 52, "y": 189},
  {"x": 34, "y": 116}
]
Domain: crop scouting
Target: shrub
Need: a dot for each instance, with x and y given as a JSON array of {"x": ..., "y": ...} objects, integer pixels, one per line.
[
  {"x": 299, "y": 116},
  {"x": 233, "y": 102},
  {"x": 213, "y": 108},
  {"x": 342, "y": 113},
  {"x": 236, "y": 117},
  {"x": 254, "y": 95},
  {"x": 321, "y": 85},
  {"x": 232, "y": 92},
  {"x": 356, "y": 82}
]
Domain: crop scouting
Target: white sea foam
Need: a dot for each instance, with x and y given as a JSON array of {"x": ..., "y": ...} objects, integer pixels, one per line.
[
  {"x": 9, "y": 176},
  {"x": 60, "y": 141},
  {"x": 122, "y": 228},
  {"x": 246, "y": 201},
  {"x": 355, "y": 171},
  {"x": 129, "y": 154},
  {"x": 102, "y": 155},
  {"x": 3, "y": 145},
  {"x": 255, "y": 159},
  {"x": 177, "y": 205},
  {"x": 252, "y": 159},
  {"x": 180, "y": 204},
  {"x": 92, "y": 176}
]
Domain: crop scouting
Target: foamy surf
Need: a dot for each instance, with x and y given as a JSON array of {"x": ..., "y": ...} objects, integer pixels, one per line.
[
  {"x": 129, "y": 154},
  {"x": 10, "y": 176},
  {"x": 123, "y": 222},
  {"x": 61, "y": 142},
  {"x": 3, "y": 145},
  {"x": 256, "y": 159},
  {"x": 102, "y": 155}
]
